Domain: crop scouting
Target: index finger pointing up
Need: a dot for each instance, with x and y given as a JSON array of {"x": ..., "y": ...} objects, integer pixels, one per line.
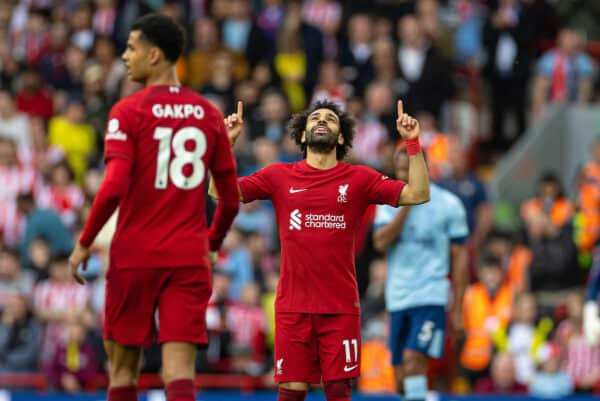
[
  {"x": 240, "y": 109},
  {"x": 400, "y": 108}
]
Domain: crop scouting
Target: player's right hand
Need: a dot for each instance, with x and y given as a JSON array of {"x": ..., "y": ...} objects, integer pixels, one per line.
[
  {"x": 234, "y": 123},
  {"x": 79, "y": 256}
]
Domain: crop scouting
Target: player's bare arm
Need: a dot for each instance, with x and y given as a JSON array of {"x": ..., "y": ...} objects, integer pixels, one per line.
[
  {"x": 460, "y": 280},
  {"x": 416, "y": 190},
  {"x": 385, "y": 235},
  {"x": 234, "y": 123}
]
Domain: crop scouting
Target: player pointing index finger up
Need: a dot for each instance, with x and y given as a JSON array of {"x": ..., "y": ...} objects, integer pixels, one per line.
[{"x": 319, "y": 203}]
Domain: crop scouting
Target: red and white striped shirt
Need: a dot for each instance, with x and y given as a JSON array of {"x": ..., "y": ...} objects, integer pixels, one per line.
[
  {"x": 103, "y": 21},
  {"x": 58, "y": 297},
  {"x": 248, "y": 326},
  {"x": 14, "y": 181},
  {"x": 65, "y": 201},
  {"x": 580, "y": 358}
]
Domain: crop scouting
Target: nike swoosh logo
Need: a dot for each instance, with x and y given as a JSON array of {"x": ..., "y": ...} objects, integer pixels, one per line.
[
  {"x": 293, "y": 191},
  {"x": 350, "y": 368}
]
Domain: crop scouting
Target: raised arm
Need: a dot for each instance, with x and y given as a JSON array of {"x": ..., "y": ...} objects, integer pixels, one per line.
[
  {"x": 416, "y": 190},
  {"x": 234, "y": 123}
]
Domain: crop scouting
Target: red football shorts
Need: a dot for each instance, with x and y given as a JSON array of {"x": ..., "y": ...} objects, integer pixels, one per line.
[
  {"x": 180, "y": 296},
  {"x": 309, "y": 347}
]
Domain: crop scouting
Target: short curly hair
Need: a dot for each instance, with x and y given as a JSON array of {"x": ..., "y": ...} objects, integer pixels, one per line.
[
  {"x": 297, "y": 125},
  {"x": 163, "y": 32}
]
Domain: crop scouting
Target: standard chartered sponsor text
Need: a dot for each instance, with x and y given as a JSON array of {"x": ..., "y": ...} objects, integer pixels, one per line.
[{"x": 331, "y": 221}]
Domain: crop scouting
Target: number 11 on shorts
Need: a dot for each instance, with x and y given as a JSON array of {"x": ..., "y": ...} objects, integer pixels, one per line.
[{"x": 346, "y": 343}]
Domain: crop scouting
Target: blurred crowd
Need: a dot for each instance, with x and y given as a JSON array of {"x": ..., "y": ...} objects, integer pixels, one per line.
[{"x": 475, "y": 73}]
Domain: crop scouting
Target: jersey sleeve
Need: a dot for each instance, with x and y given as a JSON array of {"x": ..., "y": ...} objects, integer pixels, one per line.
[
  {"x": 118, "y": 137},
  {"x": 381, "y": 189},
  {"x": 258, "y": 185},
  {"x": 456, "y": 225},
  {"x": 222, "y": 162}
]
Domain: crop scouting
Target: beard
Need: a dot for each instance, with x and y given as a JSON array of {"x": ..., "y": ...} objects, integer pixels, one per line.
[{"x": 323, "y": 142}]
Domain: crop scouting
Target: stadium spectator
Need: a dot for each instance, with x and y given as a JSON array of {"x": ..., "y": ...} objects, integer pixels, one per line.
[
  {"x": 103, "y": 20},
  {"x": 581, "y": 360},
  {"x": 581, "y": 15},
  {"x": 372, "y": 130},
  {"x": 73, "y": 135},
  {"x": 471, "y": 190},
  {"x": 373, "y": 300},
  {"x": 270, "y": 18},
  {"x": 326, "y": 15},
  {"x": 112, "y": 69},
  {"x": 437, "y": 146},
  {"x": 206, "y": 47},
  {"x": 57, "y": 301},
  {"x": 14, "y": 124},
  {"x": 45, "y": 224},
  {"x": 241, "y": 34},
  {"x": 487, "y": 309},
  {"x": 589, "y": 201},
  {"x": 330, "y": 85},
  {"x": 52, "y": 66},
  {"x": 549, "y": 235},
  {"x": 39, "y": 256},
  {"x": 468, "y": 32},
  {"x": 32, "y": 98},
  {"x": 550, "y": 381},
  {"x": 376, "y": 371},
  {"x": 501, "y": 379},
  {"x": 80, "y": 21},
  {"x": 272, "y": 114},
  {"x": 291, "y": 66},
  {"x": 20, "y": 336},
  {"x": 62, "y": 194},
  {"x": 424, "y": 71},
  {"x": 75, "y": 365},
  {"x": 256, "y": 217},
  {"x": 15, "y": 177},
  {"x": 268, "y": 305},
  {"x": 523, "y": 338},
  {"x": 563, "y": 74},
  {"x": 32, "y": 43},
  {"x": 236, "y": 263},
  {"x": 310, "y": 41},
  {"x": 507, "y": 38},
  {"x": 248, "y": 325},
  {"x": 220, "y": 86},
  {"x": 429, "y": 14},
  {"x": 13, "y": 278},
  {"x": 515, "y": 257},
  {"x": 217, "y": 312},
  {"x": 356, "y": 51}
]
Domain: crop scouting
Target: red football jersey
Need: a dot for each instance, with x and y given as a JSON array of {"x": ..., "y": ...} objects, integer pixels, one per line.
[
  {"x": 173, "y": 137},
  {"x": 318, "y": 214}
]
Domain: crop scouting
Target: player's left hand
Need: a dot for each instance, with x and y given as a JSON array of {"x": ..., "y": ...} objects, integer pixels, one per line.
[
  {"x": 407, "y": 126},
  {"x": 79, "y": 256}
]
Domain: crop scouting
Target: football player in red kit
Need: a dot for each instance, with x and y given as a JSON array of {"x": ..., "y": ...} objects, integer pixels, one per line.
[
  {"x": 319, "y": 203},
  {"x": 160, "y": 143}
]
